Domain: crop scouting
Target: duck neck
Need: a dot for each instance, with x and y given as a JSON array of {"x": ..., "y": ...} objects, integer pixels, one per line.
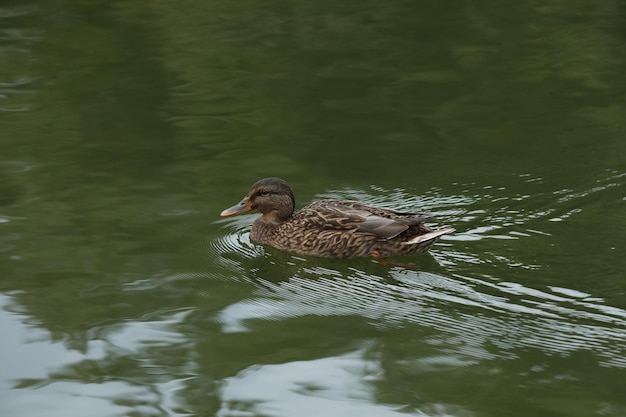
[{"x": 265, "y": 225}]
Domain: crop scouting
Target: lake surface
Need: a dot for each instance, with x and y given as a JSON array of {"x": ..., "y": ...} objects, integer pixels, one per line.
[{"x": 127, "y": 126}]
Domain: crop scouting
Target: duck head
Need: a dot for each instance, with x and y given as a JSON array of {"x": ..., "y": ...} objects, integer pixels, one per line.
[{"x": 272, "y": 197}]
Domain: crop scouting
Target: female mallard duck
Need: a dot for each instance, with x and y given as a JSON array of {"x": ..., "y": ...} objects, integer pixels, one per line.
[{"x": 332, "y": 228}]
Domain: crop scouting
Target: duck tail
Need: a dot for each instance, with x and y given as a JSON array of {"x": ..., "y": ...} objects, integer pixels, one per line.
[{"x": 430, "y": 235}]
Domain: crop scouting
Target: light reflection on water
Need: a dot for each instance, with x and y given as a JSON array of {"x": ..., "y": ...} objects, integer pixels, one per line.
[
  {"x": 50, "y": 377},
  {"x": 33, "y": 359},
  {"x": 336, "y": 386}
]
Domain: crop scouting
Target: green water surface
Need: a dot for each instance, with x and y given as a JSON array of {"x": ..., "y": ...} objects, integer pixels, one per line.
[{"x": 127, "y": 126}]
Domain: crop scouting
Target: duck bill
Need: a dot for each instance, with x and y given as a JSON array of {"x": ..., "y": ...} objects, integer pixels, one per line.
[{"x": 241, "y": 207}]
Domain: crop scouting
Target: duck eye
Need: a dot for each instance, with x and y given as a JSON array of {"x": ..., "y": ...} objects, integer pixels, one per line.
[{"x": 264, "y": 192}]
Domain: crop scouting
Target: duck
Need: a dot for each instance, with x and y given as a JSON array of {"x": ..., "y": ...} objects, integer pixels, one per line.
[{"x": 332, "y": 228}]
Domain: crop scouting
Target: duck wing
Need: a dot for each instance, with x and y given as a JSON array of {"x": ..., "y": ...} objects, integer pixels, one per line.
[{"x": 352, "y": 216}]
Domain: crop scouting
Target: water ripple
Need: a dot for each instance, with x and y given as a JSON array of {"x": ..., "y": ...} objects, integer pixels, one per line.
[
  {"x": 472, "y": 312},
  {"x": 234, "y": 246}
]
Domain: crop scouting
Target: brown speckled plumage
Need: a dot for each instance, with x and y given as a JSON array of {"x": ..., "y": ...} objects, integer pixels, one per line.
[{"x": 332, "y": 228}]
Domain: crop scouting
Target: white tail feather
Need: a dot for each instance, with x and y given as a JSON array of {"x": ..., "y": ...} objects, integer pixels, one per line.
[{"x": 430, "y": 235}]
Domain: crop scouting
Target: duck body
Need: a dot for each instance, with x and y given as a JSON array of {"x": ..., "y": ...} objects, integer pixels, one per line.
[{"x": 333, "y": 228}]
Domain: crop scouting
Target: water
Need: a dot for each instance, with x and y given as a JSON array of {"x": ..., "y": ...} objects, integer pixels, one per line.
[{"x": 126, "y": 128}]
